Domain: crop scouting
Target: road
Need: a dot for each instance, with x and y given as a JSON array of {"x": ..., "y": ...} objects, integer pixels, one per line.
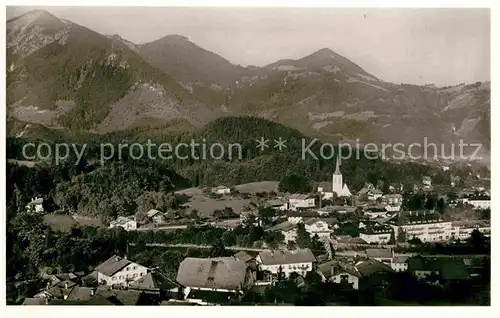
[{"x": 233, "y": 248}]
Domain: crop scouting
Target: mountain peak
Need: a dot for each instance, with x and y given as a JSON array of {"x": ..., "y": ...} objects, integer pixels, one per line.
[{"x": 35, "y": 16}]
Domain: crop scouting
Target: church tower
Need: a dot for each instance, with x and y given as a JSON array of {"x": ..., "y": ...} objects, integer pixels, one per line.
[{"x": 337, "y": 182}]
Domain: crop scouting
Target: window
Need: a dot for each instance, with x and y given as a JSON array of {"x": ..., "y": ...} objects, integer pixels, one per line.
[
  {"x": 135, "y": 275},
  {"x": 126, "y": 268},
  {"x": 344, "y": 279},
  {"x": 135, "y": 267},
  {"x": 121, "y": 276},
  {"x": 114, "y": 278},
  {"x": 142, "y": 274}
]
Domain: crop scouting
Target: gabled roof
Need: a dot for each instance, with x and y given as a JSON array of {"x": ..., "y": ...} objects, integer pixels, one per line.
[
  {"x": 119, "y": 296},
  {"x": 152, "y": 213},
  {"x": 312, "y": 221},
  {"x": 80, "y": 293},
  {"x": 275, "y": 257},
  {"x": 284, "y": 226},
  {"x": 378, "y": 253},
  {"x": 153, "y": 280},
  {"x": 370, "y": 267},
  {"x": 243, "y": 256},
  {"x": 325, "y": 185},
  {"x": 297, "y": 196},
  {"x": 212, "y": 273},
  {"x": 112, "y": 265}
]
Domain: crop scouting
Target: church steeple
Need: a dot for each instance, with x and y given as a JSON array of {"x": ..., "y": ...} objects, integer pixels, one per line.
[{"x": 337, "y": 168}]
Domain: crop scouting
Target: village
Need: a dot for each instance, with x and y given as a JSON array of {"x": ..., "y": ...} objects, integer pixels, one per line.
[{"x": 357, "y": 241}]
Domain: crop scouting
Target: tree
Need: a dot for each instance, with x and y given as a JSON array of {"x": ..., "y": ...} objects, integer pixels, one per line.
[
  {"x": 295, "y": 183},
  {"x": 478, "y": 240},
  {"x": 218, "y": 250},
  {"x": 441, "y": 205},
  {"x": 401, "y": 236},
  {"x": 291, "y": 246},
  {"x": 303, "y": 237},
  {"x": 317, "y": 247}
]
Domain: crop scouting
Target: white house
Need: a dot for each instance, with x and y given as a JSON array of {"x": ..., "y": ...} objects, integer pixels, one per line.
[
  {"x": 119, "y": 271},
  {"x": 318, "y": 227},
  {"x": 223, "y": 274},
  {"x": 36, "y": 205},
  {"x": 299, "y": 261},
  {"x": 393, "y": 199},
  {"x": 424, "y": 225},
  {"x": 128, "y": 224},
  {"x": 374, "y": 212},
  {"x": 221, "y": 190},
  {"x": 399, "y": 263},
  {"x": 427, "y": 181},
  {"x": 288, "y": 229},
  {"x": 155, "y": 215},
  {"x": 376, "y": 235},
  {"x": 296, "y": 201},
  {"x": 480, "y": 203},
  {"x": 462, "y": 230},
  {"x": 345, "y": 275}
]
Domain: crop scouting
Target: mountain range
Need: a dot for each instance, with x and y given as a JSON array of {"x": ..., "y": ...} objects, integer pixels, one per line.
[{"x": 67, "y": 78}]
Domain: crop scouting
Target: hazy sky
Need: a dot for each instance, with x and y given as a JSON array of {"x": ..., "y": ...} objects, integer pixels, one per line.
[{"x": 420, "y": 46}]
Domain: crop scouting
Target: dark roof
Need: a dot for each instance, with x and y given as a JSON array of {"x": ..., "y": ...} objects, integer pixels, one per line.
[
  {"x": 378, "y": 253},
  {"x": 271, "y": 257},
  {"x": 327, "y": 186},
  {"x": 112, "y": 265},
  {"x": 119, "y": 296},
  {"x": 34, "y": 302},
  {"x": 80, "y": 293},
  {"x": 284, "y": 226},
  {"x": 153, "y": 281},
  {"x": 370, "y": 267},
  {"x": 243, "y": 256},
  {"x": 219, "y": 273}
]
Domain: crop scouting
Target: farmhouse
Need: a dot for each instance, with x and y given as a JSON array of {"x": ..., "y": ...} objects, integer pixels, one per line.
[
  {"x": 296, "y": 201},
  {"x": 119, "y": 271},
  {"x": 299, "y": 261},
  {"x": 222, "y": 275}
]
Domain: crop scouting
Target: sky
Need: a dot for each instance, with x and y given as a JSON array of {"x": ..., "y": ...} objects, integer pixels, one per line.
[{"x": 417, "y": 46}]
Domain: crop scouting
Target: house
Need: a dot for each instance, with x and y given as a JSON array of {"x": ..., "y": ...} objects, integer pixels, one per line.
[
  {"x": 296, "y": 201},
  {"x": 157, "y": 286},
  {"x": 288, "y": 229},
  {"x": 36, "y": 205},
  {"x": 374, "y": 194},
  {"x": 399, "y": 263},
  {"x": 61, "y": 290},
  {"x": 81, "y": 293},
  {"x": 426, "y": 181},
  {"x": 221, "y": 190},
  {"x": 339, "y": 273},
  {"x": 119, "y": 271},
  {"x": 337, "y": 187},
  {"x": 276, "y": 204},
  {"x": 128, "y": 224},
  {"x": 299, "y": 261},
  {"x": 120, "y": 296},
  {"x": 374, "y": 212},
  {"x": 374, "y": 274},
  {"x": 364, "y": 274},
  {"x": 461, "y": 230},
  {"x": 222, "y": 275},
  {"x": 316, "y": 226},
  {"x": 383, "y": 255},
  {"x": 156, "y": 216},
  {"x": 393, "y": 199},
  {"x": 376, "y": 234},
  {"x": 426, "y": 226}
]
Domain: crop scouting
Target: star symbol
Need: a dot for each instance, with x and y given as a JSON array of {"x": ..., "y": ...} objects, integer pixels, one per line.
[
  {"x": 280, "y": 144},
  {"x": 262, "y": 143}
]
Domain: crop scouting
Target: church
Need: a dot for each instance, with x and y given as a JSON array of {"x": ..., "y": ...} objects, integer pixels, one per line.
[{"x": 337, "y": 186}]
